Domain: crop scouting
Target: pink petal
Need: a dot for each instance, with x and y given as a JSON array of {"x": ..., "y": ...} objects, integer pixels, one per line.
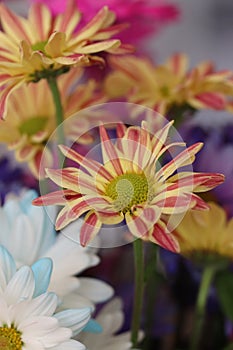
[
  {"x": 212, "y": 100},
  {"x": 54, "y": 198},
  {"x": 184, "y": 158},
  {"x": 91, "y": 166},
  {"x": 109, "y": 152},
  {"x": 41, "y": 17},
  {"x": 90, "y": 228},
  {"x": 41, "y": 160},
  {"x": 165, "y": 239},
  {"x": 198, "y": 182},
  {"x": 13, "y": 25}
]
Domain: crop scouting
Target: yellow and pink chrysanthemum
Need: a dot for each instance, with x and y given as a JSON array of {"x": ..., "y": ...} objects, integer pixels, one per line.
[
  {"x": 130, "y": 185},
  {"x": 31, "y": 120},
  {"x": 206, "y": 236},
  {"x": 43, "y": 45},
  {"x": 162, "y": 87}
]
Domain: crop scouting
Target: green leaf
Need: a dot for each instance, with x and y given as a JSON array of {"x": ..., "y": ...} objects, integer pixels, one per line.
[{"x": 224, "y": 287}]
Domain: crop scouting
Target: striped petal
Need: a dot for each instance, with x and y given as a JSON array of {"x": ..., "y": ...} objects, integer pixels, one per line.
[
  {"x": 5, "y": 94},
  {"x": 164, "y": 238},
  {"x": 110, "y": 217},
  {"x": 69, "y": 19},
  {"x": 184, "y": 158},
  {"x": 41, "y": 160},
  {"x": 13, "y": 25},
  {"x": 66, "y": 178},
  {"x": 178, "y": 64},
  {"x": 77, "y": 207},
  {"x": 93, "y": 26},
  {"x": 142, "y": 220},
  {"x": 109, "y": 153},
  {"x": 160, "y": 137},
  {"x": 90, "y": 228},
  {"x": 198, "y": 182},
  {"x": 91, "y": 166},
  {"x": 174, "y": 202},
  {"x": 41, "y": 17},
  {"x": 25, "y": 153},
  {"x": 200, "y": 204},
  {"x": 98, "y": 47},
  {"x": 211, "y": 100},
  {"x": 71, "y": 212},
  {"x": 55, "y": 198}
]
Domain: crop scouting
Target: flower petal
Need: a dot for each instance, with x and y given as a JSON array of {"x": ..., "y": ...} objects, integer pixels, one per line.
[
  {"x": 90, "y": 228},
  {"x": 165, "y": 239},
  {"x": 42, "y": 270}
]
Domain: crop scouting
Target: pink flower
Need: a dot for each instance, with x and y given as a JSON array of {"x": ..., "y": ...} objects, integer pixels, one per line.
[
  {"x": 129, "y": 185},
  {"x": 145, "y": 16}
]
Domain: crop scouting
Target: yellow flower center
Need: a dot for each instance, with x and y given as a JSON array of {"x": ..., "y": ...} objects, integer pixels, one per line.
[
  {"x": 10, "y": 338},
  {"x": 33, "y": 125},
  {"x": 127, "y": 190},
  {"x": 40, "y": 46}
]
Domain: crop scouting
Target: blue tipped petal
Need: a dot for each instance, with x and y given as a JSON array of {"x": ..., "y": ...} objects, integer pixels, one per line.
[
  {"x": 26, "y": 200},
  {"x": 7, "y": 264},
  {"x": 93, "y": 327},
  {"x": 75, "y": 319},
  {"x": 42, "y": 270}
]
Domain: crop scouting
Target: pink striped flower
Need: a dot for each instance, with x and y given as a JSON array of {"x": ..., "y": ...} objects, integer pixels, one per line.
[
  {"x": 130, "y": 185},
  {"x": 170, "y": 85},
  {"x": 41, "y": 45},
  {"x": 31, "y": 119}
]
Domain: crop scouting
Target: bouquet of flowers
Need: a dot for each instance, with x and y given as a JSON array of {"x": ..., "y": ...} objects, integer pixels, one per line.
[{"x": 113, "y": 237}]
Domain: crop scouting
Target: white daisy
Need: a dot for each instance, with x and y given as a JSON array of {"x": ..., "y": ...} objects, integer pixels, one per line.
[
  {"x": 28, "y": 234},
  {"x": 28, "y": 322},
  {"x": 111, "y": 319}
]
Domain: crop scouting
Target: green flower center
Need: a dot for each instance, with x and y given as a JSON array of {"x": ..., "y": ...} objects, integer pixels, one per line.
[
  {"x": 165, "y": 91},
  {"x": 10, "y": 338},
  {"x": 40, "y": 46},
  {"x": 128, "y": 190},
  {"x": 33, "y": 125}
]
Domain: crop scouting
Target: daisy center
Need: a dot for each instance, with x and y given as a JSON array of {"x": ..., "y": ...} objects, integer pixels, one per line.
[
  {"x": 33, "y": 125},
  {"x": 128, "y": 190},
  {"x": 10, "y": 338}
]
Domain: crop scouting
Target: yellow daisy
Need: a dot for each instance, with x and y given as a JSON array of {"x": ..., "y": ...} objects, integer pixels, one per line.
[{"x": 206, "y": 236}]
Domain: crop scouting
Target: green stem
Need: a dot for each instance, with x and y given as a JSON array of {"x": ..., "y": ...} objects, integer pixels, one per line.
[
  {"x": 207, "y": 278},
  {"x": 138, "y": 290},
  {"x": 59, "y": 114}
]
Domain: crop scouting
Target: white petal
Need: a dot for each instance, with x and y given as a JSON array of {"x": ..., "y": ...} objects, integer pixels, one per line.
[
  {"x": 45, "y": 329},
  {"x": 73, "y": 300},
  {"x": 4, "y": 314},
  {"x": 49, "y": 233},
  {"x": 44, "y": 305},
  {"x": 75, "y": 319},
  {"x": 12, "y": 209},
  {"x": 21, "y": 286},
  {"x": 95, "y": 290},
  {"x": 69, "y": 345},
  {"x": 22, "y": 246},
  {"x": 64, "y": 286},
  {"x": 69, "y": 258},
  {"x": 7, "y": 267},
  {"x": 5, "y": 232}
]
